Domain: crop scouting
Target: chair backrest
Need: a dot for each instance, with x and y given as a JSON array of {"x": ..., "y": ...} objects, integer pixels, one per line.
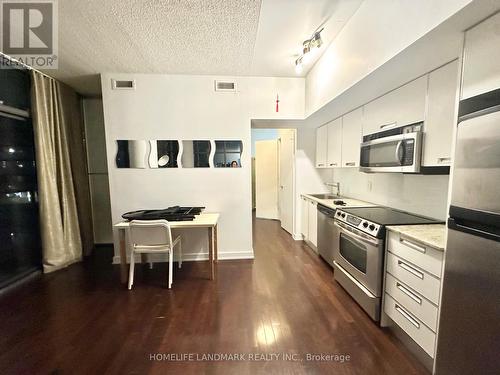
[{"x": 150, "y": 232}]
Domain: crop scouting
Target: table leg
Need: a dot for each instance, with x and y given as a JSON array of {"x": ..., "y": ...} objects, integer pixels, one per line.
[
  {"x": 123, "y": 256},
  {"x": 211, "y": 251},
  {"x": 216, "y": 246}
]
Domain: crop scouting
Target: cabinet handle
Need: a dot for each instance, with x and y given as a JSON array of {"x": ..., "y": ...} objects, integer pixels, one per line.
[
  {"x": 410, "y": 269},
  {"x": 321, "y": 165},
  {"x": 333, "y": 164},
  {"x": 443, "y": 160},
  {"x": 408, "y": 317},
  {"x": 390, "y": 125},
  {"x": 410, "y": 294},
  {"x": 350, "y": 164},
  {"x": 413, "y": 245}
]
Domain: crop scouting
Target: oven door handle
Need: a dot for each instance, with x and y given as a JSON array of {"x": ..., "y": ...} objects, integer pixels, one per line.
[{"x": 356, "y": 236}]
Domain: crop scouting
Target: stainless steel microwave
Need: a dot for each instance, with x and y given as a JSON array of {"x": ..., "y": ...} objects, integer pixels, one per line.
[{"x": 393, "y": 150}]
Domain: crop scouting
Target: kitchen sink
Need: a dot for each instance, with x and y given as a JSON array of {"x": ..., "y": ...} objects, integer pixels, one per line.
[{"x": 324, "y": 196}]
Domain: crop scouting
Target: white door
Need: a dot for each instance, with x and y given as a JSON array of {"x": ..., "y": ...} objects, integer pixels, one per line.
[
  {"x": 266, "y": 179},
  {"x": 286, "y": 178}
]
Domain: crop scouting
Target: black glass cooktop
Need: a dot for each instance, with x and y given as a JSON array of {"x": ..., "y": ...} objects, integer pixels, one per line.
[{"x": 389, "y": 216}]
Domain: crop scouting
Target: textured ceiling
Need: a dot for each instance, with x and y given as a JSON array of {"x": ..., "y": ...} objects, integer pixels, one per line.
[
  {"x": 219, "y": 37},
  {"x": 154, "y": 36}
]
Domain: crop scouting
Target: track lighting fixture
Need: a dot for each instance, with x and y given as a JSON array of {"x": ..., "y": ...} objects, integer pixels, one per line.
[
  {"x": 298, "y": 65},
  {"x": 314, "y": 41}
]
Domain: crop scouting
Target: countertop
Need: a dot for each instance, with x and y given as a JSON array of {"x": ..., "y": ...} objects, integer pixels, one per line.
[
  {"x": 432, "y": 235},
  {"x": 350, "y": 202}
]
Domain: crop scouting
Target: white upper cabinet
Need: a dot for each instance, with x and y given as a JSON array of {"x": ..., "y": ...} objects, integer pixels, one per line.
[
  {"x": 334, "y": 155},
  {"x": 351, "y": 137},
  {"x": 440, "y": 120},
  {"x": 481, "y": 58},
  {"x": 321, "y": 146},
  {"x": 403, "y": 106}
]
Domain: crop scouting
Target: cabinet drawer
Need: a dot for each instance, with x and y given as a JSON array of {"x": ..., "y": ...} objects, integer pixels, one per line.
[
  {"x": 422, "y": 335},
  {"x": 420, "y": 281},
  {"x": 427, "y": 258},
  {"x": 414, "y": 302}
]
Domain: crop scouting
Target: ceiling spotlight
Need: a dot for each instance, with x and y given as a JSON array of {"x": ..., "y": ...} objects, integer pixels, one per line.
[
  {"x": 298, "y": 65},
  {"x": 306, "y": 47},
  {"x": 316, "y": 41}
]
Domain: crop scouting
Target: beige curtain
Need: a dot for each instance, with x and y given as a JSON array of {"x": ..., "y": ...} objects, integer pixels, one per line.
[{"x": 56, "y": 122}]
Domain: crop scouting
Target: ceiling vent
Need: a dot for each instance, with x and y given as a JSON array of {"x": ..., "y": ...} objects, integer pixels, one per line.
[
  {"x": 123, "y": 84},
  {"x": 225, "y": 86}
]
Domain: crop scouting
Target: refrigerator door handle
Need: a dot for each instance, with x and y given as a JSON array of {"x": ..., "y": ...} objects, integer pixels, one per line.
[{"x": 455, "y": 224}]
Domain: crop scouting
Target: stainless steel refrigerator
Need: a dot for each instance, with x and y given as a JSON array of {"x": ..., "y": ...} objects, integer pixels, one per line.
[{"x": 469, "y": 325}]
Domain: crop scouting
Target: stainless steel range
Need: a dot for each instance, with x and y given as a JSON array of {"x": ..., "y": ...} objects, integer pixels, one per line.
[{"x": 359, "y": 256}]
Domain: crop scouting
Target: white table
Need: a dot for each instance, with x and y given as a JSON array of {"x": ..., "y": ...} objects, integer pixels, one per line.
[{"x": 203, "y": 220}]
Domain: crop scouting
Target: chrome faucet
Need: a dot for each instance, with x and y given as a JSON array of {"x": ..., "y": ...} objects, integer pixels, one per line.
[{"x": 334, "y": 185}]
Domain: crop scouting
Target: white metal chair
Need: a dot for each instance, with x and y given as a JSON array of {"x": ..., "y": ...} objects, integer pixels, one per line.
[{"x": 152, "y": 237}]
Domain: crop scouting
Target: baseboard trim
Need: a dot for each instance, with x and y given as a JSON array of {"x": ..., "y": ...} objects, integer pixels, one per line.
[
  {"x": 196, "y": 257},
  {"x": 298, "y": 237}
]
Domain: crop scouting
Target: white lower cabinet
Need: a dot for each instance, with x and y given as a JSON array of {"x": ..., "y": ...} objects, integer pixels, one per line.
[
  {"x": 304, "y": 223},
  {"x": 423, "y": 309},
  {"x": 309, "y": 221},
  {"x": 412, "y": 286},
  {"x": 404, "y": 318},
  {"x": 313, "y": 223}
]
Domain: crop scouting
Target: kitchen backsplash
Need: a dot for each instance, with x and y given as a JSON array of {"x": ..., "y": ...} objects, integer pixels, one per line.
[{"x": 420, "y": 194}]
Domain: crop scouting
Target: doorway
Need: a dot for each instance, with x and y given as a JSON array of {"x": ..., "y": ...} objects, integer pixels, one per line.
[{"x": 273, "y": 175}]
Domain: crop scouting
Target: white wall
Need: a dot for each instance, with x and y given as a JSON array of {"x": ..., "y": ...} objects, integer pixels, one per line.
[
  {"x": 187, "y": 107},
  {"x": 377, "y": 32},
  {"x": 420, "y": 194}
]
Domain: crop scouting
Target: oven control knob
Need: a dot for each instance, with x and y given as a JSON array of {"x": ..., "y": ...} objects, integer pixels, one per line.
[
  {"x": 365, "y": 224},
  {"x": 343, "y": 215},
  {"x": 372, "y": 227}
]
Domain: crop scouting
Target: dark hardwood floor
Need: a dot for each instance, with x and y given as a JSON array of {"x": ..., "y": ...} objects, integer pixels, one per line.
[{"x": 83, "y": 321}]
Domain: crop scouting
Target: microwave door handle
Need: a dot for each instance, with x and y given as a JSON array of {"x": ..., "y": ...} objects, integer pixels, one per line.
[{"x": 397, "y": 153}]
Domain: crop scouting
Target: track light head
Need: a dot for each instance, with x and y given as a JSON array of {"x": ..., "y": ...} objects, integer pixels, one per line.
[
  {"x": 298, "y": 65},
  {"x": 316, "y": 41}
]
